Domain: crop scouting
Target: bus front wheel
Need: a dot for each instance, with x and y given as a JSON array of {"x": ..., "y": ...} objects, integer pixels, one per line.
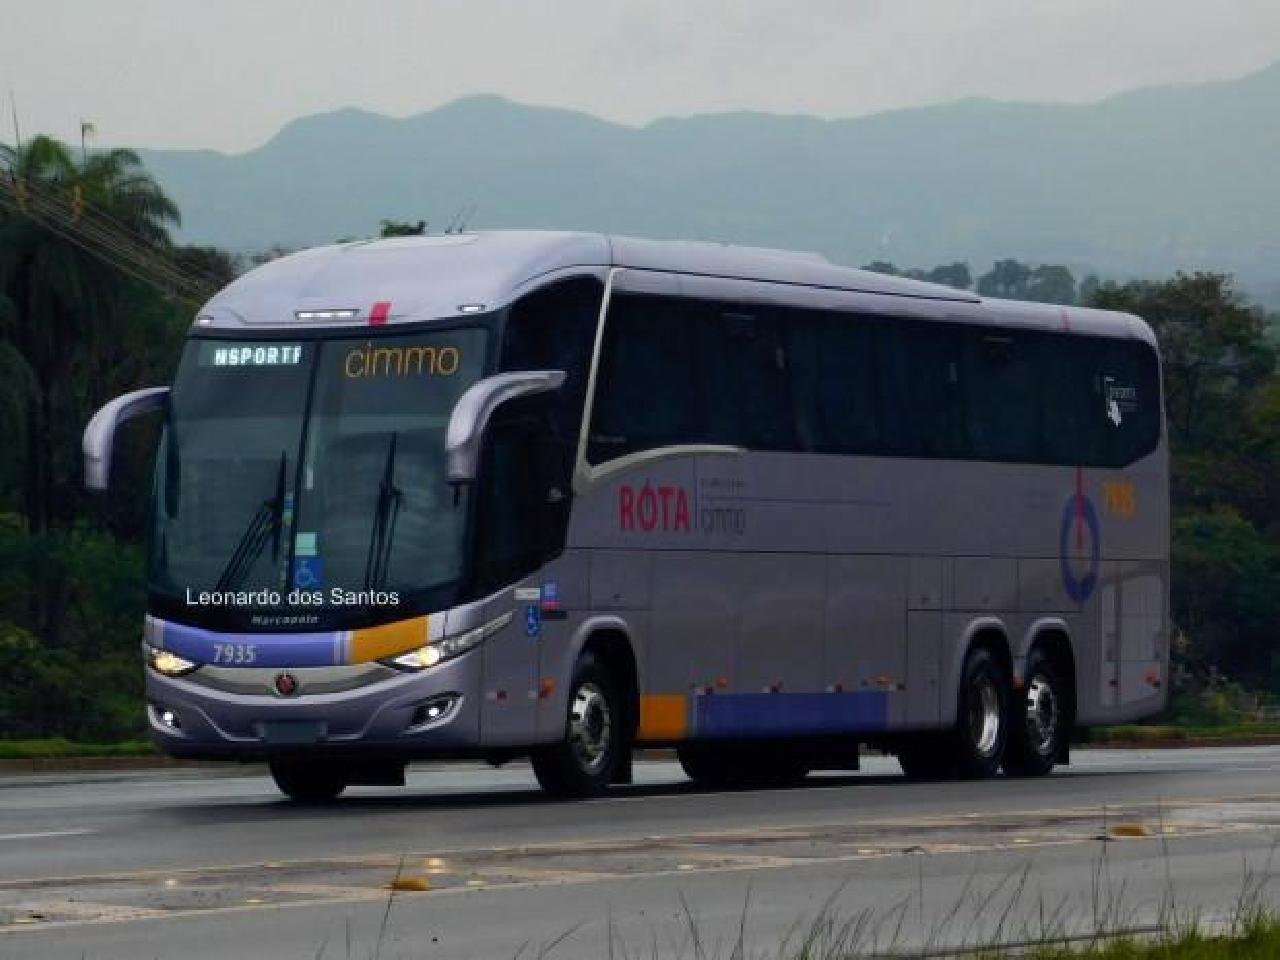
[
  {"x": 583, "y": 763},
  {"x": 307, "y": 782}
]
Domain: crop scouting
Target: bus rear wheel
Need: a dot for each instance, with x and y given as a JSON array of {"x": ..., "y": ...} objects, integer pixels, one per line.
[
  {"x": 1038, "y": 720},
  {"x": 307, "y": 781},
  {"x": 974, "y": 748},
  {"x": 584, "y": 762},
  {"x": 736, "y": 765}
]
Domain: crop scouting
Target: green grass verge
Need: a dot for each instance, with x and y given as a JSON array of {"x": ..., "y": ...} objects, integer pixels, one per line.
[
  {"x": 1161, "y": 732},
  {"x": 1258, "y": 940},
  {"x": 57, "y": 747}
]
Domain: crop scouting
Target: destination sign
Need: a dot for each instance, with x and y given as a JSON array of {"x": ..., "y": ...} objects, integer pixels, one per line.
[{"x": 251, "y": 355}]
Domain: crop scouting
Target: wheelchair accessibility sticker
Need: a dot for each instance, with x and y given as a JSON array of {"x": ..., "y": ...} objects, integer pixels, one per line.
[
  {"x": 1079, "y": 545},
  {"x": 308, "y": 573}
]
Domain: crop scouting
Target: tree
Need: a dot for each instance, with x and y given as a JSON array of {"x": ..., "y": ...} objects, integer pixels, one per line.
[
  {"x": 1006, "y": 278},
  {"x": 274, "y": 252},
  {"x": 212, "y": 265},
  {"x": 1051, "y": 284},
  {"x": 881, "y": 266},
  {"x": 62, "y": 297},
  {"x": 1227, "y": 596},
  {"x": 951, "y": 275},
  {"x": 1089, "y": 288},
  {"x": 400, "y": 228},
  {"x": 63, "y": 312}
]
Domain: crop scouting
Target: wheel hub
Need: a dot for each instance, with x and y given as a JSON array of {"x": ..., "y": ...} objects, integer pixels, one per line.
[
  {"x": 984, "y": 717},
  {"x": 1042, "y": 714},
  {"x": 590, "y": 726}
]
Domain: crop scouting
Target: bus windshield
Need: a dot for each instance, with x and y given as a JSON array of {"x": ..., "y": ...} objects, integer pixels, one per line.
[{"x": 311, "y": 467}]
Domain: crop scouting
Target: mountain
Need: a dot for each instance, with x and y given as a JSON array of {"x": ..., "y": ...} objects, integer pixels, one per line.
[{"x": 1137, "y": 184}]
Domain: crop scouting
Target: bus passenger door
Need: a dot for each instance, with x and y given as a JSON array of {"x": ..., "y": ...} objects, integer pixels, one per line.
[{"x": 517, "y": 520}]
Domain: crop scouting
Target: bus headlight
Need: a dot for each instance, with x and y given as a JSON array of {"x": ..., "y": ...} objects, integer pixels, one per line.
[
  {"x": 446, "y": 648},
  {"x": 169, "y": 664}
]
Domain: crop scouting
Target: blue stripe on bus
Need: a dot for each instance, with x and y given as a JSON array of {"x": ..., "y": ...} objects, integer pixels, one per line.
[
  {"x": 766, "y": 714},
  {"x": 269, "y": 650}
]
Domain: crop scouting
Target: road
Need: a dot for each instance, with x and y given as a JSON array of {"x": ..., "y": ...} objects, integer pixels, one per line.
[{"x": 185, "y": 864}]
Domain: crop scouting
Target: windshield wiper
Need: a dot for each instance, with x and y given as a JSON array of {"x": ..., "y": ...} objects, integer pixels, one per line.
[
  {"x": 265, "y": 525},
  {"x": 384, "y": 522}
]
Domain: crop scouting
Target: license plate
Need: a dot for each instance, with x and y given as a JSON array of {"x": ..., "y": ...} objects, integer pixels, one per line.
[{"x": 293, "y": 732}]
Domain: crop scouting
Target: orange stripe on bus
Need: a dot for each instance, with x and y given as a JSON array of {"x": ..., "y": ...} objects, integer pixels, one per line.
[
  {"x": 388, "y": 640},
  {"x": 663, "y": 716}
]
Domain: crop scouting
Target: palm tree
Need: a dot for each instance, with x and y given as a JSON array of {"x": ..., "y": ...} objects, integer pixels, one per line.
[{"x": 62, "y": 299}]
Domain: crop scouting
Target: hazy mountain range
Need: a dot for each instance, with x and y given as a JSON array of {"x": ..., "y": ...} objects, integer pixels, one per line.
[{"x": 1138, "y": 184}]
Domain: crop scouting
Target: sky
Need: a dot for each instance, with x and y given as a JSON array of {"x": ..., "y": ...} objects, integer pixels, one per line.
[{"x": 227, "y": 75}]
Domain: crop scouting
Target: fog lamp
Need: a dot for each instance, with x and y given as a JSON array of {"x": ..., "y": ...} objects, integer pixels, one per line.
[
  {"x": 166, "y": 717},
  {"x": 434, "y": 709}
]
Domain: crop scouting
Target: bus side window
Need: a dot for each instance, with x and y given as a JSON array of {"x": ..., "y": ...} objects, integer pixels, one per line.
[
  {"x": 921, "y": 393},
  {"x": 1071, "y": 404},
  {"x": 1129, "y": 396},
  {"x": 1002, "y": 395},
  {"x": 554, "y": 328},
  {"x": 743, "y": 365},
  {"x": 833, "y": 382},
  {"x": 648, "y": 386}
]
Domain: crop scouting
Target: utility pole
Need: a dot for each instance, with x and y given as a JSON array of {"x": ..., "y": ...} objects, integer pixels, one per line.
[
  {"x": 87, "y": 130},
  {"x": 13, "y": 108}
]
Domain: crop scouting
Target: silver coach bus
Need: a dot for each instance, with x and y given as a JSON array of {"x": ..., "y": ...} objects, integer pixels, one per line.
[{"x": 561, "y": 495}]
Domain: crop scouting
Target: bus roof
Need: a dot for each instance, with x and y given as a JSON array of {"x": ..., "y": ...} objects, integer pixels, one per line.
[{"x": 407, "y": 279}]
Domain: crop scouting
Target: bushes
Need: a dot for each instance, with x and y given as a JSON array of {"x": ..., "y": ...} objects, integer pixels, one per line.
[
  {"x": 1226, "y": 597},
  {"x": 85, "y": 591}
]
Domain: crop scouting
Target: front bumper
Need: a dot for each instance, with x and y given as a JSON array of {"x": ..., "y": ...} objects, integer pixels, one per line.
[{"x": 387, "y": 714}]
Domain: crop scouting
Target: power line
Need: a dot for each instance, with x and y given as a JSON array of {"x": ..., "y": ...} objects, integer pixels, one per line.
[{"x": 101, "y": 235}]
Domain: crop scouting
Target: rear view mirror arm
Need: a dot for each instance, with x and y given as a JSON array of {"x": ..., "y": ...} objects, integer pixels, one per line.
[
  {"x": 99, "y": 435},
  {"x": 474, "y": 408}
]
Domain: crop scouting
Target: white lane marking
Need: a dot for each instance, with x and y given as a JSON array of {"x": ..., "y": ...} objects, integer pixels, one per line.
[{"x": 45, "y": 833}]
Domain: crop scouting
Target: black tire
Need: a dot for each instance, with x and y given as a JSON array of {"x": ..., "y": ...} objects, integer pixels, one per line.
[
  {"x": 584, "y": 763},
  {"x": 974, "y": 748},
  {"x": 1038, "y": 719},
  {"x": 740, "y": 766},
  {"x": 308, "y": 781},
  {"x": 982, "y": 728}
]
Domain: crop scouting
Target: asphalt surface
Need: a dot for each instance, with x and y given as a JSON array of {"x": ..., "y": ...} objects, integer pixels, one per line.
[{"x": 182, "y": 863}]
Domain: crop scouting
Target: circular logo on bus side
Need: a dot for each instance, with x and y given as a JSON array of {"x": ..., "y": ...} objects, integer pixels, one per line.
[{"x": 1079, "y": 547}]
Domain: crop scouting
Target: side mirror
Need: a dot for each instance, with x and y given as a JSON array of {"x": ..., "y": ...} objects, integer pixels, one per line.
[
  {"x": 474, "y": 408},
  {"x": 99, "y": 435}
]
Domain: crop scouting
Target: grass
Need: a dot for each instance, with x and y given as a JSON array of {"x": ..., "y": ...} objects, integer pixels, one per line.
[
  {"x": 1259, "y": 940},
  {"x": 1138, "y": 732},
  {"x": 57, "y": 747}
]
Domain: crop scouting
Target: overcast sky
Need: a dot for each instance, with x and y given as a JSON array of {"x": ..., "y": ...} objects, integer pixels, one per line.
[{"x": 228, "y": 74}]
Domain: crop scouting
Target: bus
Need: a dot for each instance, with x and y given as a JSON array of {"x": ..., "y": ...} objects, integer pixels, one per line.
[{"x": 562, "y": 496}]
